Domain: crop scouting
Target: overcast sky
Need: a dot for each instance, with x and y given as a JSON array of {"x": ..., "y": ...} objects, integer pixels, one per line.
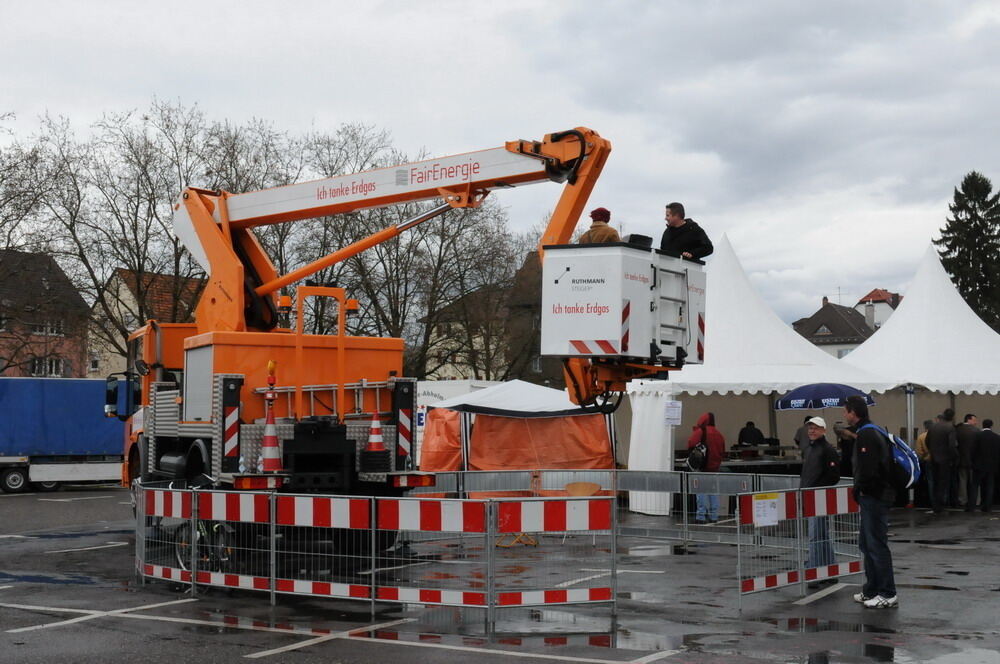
[{"x": 824, "y": 138}]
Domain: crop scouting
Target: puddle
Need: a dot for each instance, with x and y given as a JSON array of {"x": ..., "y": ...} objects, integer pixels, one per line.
[
  {"x": 818, "y": 625},
  {"x": 63, "y": 580},
  {"x": 924, "y": 586},
  {"x": 656, "y": 550},
  {"x": 100, "y": 533},
  {"x": 957, "y": 573}
]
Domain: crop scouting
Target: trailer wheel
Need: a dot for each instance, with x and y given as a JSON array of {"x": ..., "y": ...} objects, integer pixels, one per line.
[
  {"x": 45, "y": 486},
  {"x": 14, "y": 480}
]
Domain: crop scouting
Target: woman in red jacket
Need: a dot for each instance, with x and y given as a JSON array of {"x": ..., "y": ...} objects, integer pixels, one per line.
[{"x": 705, "y": 431}]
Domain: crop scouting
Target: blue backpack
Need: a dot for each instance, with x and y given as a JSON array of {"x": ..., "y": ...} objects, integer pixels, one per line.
[{"x": 904, "y": 466}]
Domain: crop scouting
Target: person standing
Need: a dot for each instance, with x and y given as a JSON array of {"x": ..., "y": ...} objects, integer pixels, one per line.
[
  {"x": 942, "y": 445},
  {"x": 874, "y": 492},
  {"x": 800, "y": 436},
  {"x": 683, "y": 237},
  {"x": 924, "y": 455},
  {"x": 820, "y": 467},
  {"x": 845, "y": 443},
  {"x": 600, "y": 231},
  {"x": 985, "y": 460},
  {"x": 705, "y": 432},
  {"x": 966, "y": 433}
]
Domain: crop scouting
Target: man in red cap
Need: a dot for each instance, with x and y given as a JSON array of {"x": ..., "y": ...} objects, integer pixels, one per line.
[{"x": 600, "y": 232}]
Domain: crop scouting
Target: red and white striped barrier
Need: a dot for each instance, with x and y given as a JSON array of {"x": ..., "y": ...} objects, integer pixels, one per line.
[
  {"x": 567, "y": 596},
  {"x": 404, "y": 431},
  {"x": 233, "y": 580},
  {"x": 322, "y": 512},
  {"x": 431, "y": 596},
  {"x": 172, "y": 504},
  {"x": 168, "y": 573},
  {"x": 554, "y": 516},
  {"x": 831, "y": 571},
  {"x": 431, "y": 515},
  {"x": 230, "y": 506},
  {"x": 759, "y": 583},
  {"x": 827, "y": 502}
]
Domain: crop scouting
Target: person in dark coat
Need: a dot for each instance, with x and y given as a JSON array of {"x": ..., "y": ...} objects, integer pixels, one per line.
[
  {"x": 820, "y": 467},
  {"x": 985, "y": 457},
  {"x": 705, "y": 431},
  {"x": 874, "y": 492},
  {"x": 750, "y": 435},
  {"x": 966, "y": 433},
  {"x": 683, "y": 237},
  {"x": 942, "y": 444}
]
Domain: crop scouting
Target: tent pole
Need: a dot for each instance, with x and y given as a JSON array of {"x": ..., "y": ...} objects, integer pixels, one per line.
[
  {"x": 772, "y": 416},
  {"x": 910, "y": 399}
]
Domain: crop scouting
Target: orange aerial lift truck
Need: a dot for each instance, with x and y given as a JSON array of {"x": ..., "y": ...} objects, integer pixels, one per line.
[{"x": 197, "y": 393}]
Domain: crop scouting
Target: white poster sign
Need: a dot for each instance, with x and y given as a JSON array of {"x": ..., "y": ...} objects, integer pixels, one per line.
[
  {"x": 765, "y": 509},
  {"x": 673, "y": 413}
]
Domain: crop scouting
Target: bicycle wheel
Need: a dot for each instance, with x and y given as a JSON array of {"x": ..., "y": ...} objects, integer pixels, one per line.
[
  {"x": 182, "y": 545},
  {"x": 220, "y": 549}
]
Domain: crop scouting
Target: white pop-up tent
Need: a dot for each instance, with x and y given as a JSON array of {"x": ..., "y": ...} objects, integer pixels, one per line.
[
  {"x": 934, "y": 340},
  {"x": 748, "y": 349}
]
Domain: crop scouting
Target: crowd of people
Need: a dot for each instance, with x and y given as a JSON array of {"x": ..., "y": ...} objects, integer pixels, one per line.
[{"x": 960, "y": 462}]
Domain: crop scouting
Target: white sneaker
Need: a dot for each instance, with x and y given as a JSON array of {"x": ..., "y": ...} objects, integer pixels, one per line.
[
  {"x": 880, "y": 602},
  {"x": 861, "y": 598}
]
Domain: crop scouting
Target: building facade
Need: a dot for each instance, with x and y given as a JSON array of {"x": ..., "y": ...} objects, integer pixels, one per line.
[{"x": 43, "y": 319}]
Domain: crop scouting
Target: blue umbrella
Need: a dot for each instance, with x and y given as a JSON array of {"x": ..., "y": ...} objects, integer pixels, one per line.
[{"x": 819, "y": 395}]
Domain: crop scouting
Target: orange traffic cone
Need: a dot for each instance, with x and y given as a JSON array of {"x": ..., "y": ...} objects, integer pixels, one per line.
[
  {"x": 375, "y": 442},
  {"x": 270, "y": 454}
]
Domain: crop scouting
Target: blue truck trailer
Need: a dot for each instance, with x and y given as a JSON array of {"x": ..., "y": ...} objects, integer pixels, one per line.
[{"x": 53, "y": 430}]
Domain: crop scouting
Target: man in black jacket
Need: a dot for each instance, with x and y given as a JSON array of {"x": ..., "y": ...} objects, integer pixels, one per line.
[
  {"x": 820, "y": 467},
  {"x": 966, "y": 433},
  {"x": 985, "y": 457},
  {"x": 875, "y": 494},
  {"x": 942, "y": 445},
  {"x": 683, "y": 237}
]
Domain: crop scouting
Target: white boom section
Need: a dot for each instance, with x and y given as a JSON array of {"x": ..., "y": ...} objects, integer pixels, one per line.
[{"x": 485, "y": 169}]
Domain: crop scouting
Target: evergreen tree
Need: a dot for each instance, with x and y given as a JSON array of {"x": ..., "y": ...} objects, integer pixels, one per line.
[{"x": 969, "y": 246}]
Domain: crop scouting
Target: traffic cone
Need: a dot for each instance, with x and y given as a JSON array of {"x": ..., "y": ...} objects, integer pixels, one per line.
[
  {"x": 270, "y": 453},
  {"x": 375, "y": 442}
]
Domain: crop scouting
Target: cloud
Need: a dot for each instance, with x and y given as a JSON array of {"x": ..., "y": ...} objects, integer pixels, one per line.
[{"x": 825, "y": 139}]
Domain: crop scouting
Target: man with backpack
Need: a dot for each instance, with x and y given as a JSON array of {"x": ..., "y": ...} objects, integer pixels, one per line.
[
  {"x": 706, "y": 448},
  {"x": 873, "y": 489}
]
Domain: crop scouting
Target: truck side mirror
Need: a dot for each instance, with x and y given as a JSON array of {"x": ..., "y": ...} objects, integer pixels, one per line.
[{"x": 111, "y": 397}]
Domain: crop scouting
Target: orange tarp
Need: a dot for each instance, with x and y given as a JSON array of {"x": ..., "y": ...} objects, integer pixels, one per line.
[
  {"x": 441, "y": 449},
  {"x": 516, "y": 443},
  {"x": 537, "y": 443}
]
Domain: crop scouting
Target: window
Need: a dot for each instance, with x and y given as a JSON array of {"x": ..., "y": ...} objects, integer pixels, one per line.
[
  {"x": 47, "y": 366},
  {"x": 823, "y": 331},
  {"x": 536, "y": 364},
  {"x": 95, "y": 363},
  {"x": 49, "y": 328}
]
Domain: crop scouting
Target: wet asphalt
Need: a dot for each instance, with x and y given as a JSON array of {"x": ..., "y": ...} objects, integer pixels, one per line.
[{"x": 68, "y": 593}]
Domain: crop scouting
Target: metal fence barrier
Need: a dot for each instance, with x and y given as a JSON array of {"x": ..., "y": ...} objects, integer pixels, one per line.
[
  {"x": 488, "y": 553},
  {"x": 795, "y": 537}
]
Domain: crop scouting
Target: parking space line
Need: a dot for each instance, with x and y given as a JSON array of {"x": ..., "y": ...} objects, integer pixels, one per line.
[
  {"x": 91, "y": 548},
  {"x": 491, "y": 651},
  {"x": 17, "y": 537},
  {"x": 71, "y": 500},
  {"x": 566, "y": 584},
  {"x": 829, "y": 590},
  {"x": 88, "y": 614},
  {"x": 656, "y": 656},
  {"x": 5, "y": 587},
  {"x": 386, "y": 569},
  {"x": 325, "y": 637}
]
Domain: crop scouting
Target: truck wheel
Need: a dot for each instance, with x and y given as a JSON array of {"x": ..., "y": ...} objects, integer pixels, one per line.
[
  {"x": 45, "y": 486},
  {"x": 14, "y": 480}
]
